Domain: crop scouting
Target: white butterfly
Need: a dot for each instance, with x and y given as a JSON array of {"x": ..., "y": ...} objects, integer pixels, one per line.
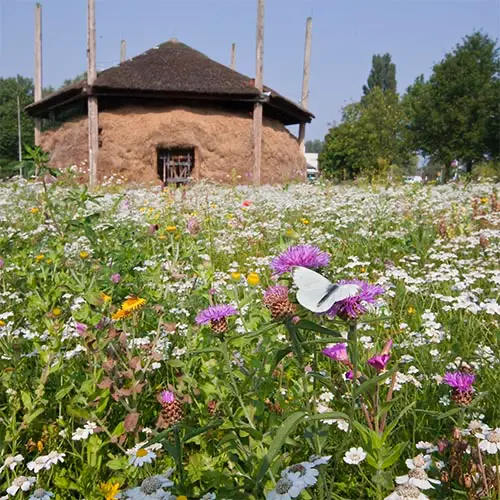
[{"x": 317, "y": 293}]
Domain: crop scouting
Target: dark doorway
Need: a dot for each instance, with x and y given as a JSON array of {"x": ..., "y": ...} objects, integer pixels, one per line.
[{"x": 175, "y": 165}]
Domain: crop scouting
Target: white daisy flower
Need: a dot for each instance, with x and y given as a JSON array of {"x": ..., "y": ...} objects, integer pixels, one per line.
[
  {"x": 41, "y": 494},
  {"x": 425, "y": 445},
  {"x": 420, "y": 461},
  {"x": 83, "y": 433},
  {"x": 354, "y": 456},
  {"x": 417, "y": 477},
  {"x": 12, "y": 462},
  {"x": 209, "y": 496},
  {"x": 285, "y": 489},
  {"x": 407, "y": 492},
  {"x": 22, "y": 483},
  {"x": 38, "y": 464},
  {"x": 140, "y": 456},
  {"x": 491, "y": 442}
]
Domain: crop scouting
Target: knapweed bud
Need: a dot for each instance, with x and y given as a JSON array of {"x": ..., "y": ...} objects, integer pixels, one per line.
[
  {"x": 172, "y": 412},
  {"x": 193, "y": 226},
  {"x": 116, "y": 278},
  {"x": 276, "y": 300}
]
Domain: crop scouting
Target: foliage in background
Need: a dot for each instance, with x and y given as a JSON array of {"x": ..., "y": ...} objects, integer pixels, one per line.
[
  {"x": 455, "y": 115},
  {"x": 314, "y": 146}
]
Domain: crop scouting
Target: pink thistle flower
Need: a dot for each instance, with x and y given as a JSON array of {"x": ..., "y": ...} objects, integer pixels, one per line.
[
  {"x": 300, "y": 255},
  {"x": 461, "y": 382},
  {"x": 353, "y": 307},
  {"x": 116, "y": 278}
]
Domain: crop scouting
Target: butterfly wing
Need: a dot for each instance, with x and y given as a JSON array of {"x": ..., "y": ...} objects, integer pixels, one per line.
[{"x": 317, "y": 293}]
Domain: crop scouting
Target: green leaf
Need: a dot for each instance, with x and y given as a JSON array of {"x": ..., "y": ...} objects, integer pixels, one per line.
[
  {"x": 393, "y": 424},
  {"x": 393, "y": 455},
  {"x": 26, "y": 399},
  {"x": 63, "y": 392},
  {"x": 329, "y": 415},
  {"x": 365, "y": 386},
  {"x": 283, "y": 432},
  {"x": 202, "y": 430},
  {"x": 118, "y": 430},
  {"x": 305, "y": 324},
  {"x": 118, "y": 463},
  {"x": 32, "y": 416}
]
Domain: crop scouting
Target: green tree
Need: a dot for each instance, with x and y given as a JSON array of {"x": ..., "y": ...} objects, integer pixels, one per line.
[
  {"x": 382, "y": 74},
  {"x": 76, "y": 79},
  {"x": 456, "y": 113},
  {"x": 369, "y": 139},
  {"x": 10, "y": 89},
  {"x": 314, "y": 146}
]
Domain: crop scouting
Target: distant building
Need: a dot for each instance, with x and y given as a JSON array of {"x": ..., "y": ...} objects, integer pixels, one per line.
[
  {"x": 312, "y": 165},
  {"x": 172, "y": 114}
]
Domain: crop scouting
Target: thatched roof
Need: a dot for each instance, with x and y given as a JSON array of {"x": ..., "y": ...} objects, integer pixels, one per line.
[{"x": 174, "y": 71}]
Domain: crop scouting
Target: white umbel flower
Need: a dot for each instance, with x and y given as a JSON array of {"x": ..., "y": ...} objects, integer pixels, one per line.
[
  {"x": 354, "y": 456},
  {"x": 41, "y": 494},
  {"x": 303, "y": 473},
  {"x": 22, "y": 483},
  {"x": 491, "y": 442},
  {"x": 417, "y": 477},
  {"x": 407, "y": 492},
  {"x": 12, "y": 462},
  {"x": 83, "y": 433},
  {"x": 420, "y": 461}
]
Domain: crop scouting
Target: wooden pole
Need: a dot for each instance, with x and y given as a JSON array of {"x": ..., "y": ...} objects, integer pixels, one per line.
[
  {"x": 19, "y": 133},
  {"x": 123, "y": 51},
  {"x": 304, "y": 100},
  {"x": 257, "y": 112},
  {"x": 38, "y": 68},
  {"x": 93, "y": 114},
  {"x": 233, "y": 56}
]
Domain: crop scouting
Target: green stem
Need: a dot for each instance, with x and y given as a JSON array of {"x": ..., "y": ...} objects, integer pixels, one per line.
[
  {"x": 234, "y": 384},
  {"x": 352, "y": 336}
]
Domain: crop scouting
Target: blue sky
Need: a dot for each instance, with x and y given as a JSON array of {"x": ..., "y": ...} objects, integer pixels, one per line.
[{"x": 346, "y": 33}]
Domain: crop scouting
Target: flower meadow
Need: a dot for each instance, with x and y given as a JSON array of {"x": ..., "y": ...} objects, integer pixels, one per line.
[{"x": 152, "y": 345}]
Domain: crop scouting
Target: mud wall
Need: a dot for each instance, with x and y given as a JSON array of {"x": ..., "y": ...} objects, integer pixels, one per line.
[{"x": 129, "y": 138}]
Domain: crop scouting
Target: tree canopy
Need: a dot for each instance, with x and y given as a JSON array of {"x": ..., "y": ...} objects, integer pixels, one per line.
[
  {"x": 382, "y": 74},
  {"x": 454, "y": 115}
]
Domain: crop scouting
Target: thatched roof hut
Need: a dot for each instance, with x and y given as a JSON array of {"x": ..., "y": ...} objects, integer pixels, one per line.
[{"x": 172, "y": 112}]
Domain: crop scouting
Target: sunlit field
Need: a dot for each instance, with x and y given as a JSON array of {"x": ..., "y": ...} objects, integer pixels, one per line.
[{"x": 152, "y": 345}]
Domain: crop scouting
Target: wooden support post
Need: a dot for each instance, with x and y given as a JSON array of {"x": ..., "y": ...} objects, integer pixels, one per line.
[
  {"x": 257, "y": 112},
  {"x": 123, "y": 51},
  {"x": 233, "y": 56},
  {"x": 304, "y": 100},
  {"x": 38, "y": 68},
  {"x": 93, "y": 113},
  {"x": 19, "y": 132}
]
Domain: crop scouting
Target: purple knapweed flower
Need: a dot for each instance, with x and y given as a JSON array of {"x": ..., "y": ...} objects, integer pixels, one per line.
[
  {"x": 355, "y": 306},
  {"x": 276, "y": 293},
  {"x": 300, "y": 255},
  {"x": 2, "y": 262},
  {"x": 116, "y": 278},
  {"x": 167, "y": 397},
  {"x": 461, "y": 382},
  {"x": 193, "y": 226},
  {"x": 337, "y": 352},
  {"x": 215, "y": 313}
]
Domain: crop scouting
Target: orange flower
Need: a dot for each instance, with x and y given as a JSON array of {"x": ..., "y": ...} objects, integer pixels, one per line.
[
  {"x": 132, "y": 304},
  {"x": 120, "y": 314}
]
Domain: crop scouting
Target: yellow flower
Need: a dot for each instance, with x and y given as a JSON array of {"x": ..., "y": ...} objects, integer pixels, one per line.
[
  {"x": 253, "y": 279},
  {"x": 161, "y": 237},
  {"x": 39, "y": 445},
  {"x": 120, "y": 314},
  {"x": 56, "y": 311},
  {"x": 109, "y": 490},
  {"x": 411, "y": 310},
  {"x": 104, "y": 297},
  {"x": 304, "y": 221},
  {"x": 2, "y": 323},
  {"x": 35, "y": 210},
  {"x": 363, "y": 269},
  {"x": 39, "y": 257},
  {"x": 236, "y": 276},
  {"x": 171, "y": 229},
  {"x": 132, "y": 304},
  {"x": 49, "y": 261},
  {"x": 290, "y": 233},
  {"x": 484, "y": 200},
  {"x": 84, "y": 255},
  {"x": 182, "y": 497}
]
